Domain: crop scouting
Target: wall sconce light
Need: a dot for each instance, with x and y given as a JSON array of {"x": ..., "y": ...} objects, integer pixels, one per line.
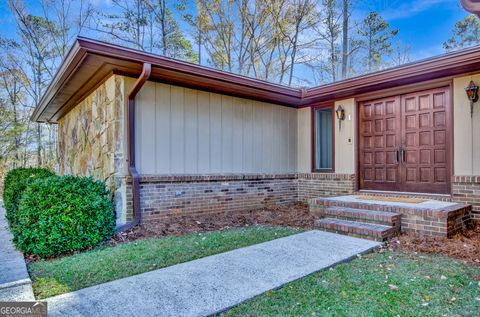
[
  {"x": 472, "y": 94},
  {"x": 340, "y": 112}
]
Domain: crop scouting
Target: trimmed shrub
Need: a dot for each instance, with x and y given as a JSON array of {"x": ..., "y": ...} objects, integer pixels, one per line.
[
  {"x": 15, "y": 183},
  {"x": 63, "y": 214}
]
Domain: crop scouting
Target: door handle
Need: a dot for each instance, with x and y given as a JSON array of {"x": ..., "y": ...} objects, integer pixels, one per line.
[
  {"x": 397, "y": 154},
  {"x": 402, "y": 155}
]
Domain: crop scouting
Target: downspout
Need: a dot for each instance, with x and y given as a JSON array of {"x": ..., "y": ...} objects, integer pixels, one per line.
[{"x": 132, "y": 169}]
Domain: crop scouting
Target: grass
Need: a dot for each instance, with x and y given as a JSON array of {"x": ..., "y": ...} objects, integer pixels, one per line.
[
  {"x": 379, "y": 284},
  {"x": 104, "y": 264}
]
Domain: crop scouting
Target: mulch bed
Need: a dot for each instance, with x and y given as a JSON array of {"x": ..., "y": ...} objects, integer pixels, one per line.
[
  {"x": 464, "y": 246},
  {"x": 293, "y": 215}
]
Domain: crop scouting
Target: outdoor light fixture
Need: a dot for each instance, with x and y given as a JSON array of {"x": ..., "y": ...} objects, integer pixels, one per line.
[
  {"x": 472, "y": 94},
  {"x": 340, "y": 112}
]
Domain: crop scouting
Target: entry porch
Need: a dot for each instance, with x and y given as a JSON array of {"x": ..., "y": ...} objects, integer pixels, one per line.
[{"x": 380, "y": 216}]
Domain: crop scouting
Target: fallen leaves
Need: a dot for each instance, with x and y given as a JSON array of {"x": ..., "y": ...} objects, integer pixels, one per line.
[
  {"x": 463, "y": 246},
  {"x": 294, "y": 215},
  {"x": 393, "y": 287}
]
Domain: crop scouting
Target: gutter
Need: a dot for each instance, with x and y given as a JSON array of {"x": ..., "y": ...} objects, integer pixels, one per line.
[
  {"x": 132, "y": 169},
  {"x": 471, "y": 6}
]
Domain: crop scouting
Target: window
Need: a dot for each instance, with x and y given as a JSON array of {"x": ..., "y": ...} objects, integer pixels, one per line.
[{"x": 323, "y": 139}]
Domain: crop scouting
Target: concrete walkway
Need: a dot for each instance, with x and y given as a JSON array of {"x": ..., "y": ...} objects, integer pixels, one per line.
[
  {"x": 15, "y": 282},
  {"x": 215, "y": 283}
]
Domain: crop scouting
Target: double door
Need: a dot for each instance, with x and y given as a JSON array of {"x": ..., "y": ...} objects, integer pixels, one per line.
[{"x": 404, "y": 142}]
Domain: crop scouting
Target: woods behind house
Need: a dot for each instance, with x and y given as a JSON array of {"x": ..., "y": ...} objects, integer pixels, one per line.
[{"x": 292, "y": 42}]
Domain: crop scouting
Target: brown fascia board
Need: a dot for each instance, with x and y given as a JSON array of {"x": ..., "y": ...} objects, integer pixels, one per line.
[
  {"x": 447, "y": 65},
  {"x": 89, "y": 62},
  {"x": 472, "y": 6},
  {"x": 102, "y": 59},
  {"x": 69, "y": 64}
]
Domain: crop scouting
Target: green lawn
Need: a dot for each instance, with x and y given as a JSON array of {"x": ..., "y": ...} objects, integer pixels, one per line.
[
  {"x": 378, "y": 284},
  {"x": 105, "y": 264}
]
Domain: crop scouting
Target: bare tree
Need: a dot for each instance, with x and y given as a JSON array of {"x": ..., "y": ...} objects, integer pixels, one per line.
[
  {"x": 400, "y": 54},
  {"x": 345, "y": 38},
  {"x": 329, "y": 31},
  {"x": 36, "y": 46}
]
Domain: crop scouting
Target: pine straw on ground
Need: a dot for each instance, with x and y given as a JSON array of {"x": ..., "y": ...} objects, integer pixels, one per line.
[
  {"x": 293, "y": 215},
  {"x": 464, "y": 246}
]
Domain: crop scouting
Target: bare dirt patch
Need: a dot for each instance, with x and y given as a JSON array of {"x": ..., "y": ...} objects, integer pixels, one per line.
[
  {"x": 293, "y": 215},
  {"x": 464, "y": 246}
]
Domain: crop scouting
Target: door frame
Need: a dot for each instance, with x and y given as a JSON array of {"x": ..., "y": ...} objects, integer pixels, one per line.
[{"x": 401, "y": 91}]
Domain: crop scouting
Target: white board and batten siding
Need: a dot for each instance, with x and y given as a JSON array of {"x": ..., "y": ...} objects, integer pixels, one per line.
[{"x": 186, "y": 131}]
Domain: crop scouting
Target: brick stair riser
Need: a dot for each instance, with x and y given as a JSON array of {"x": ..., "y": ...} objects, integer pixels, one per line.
[
  {"x": 444, "y": 222},
  {"x": 401, "y": 195},
  {"x": 442, "y": 214},
  {"x": 394, "y": 221},
  {"x": 360, "y": 233}
]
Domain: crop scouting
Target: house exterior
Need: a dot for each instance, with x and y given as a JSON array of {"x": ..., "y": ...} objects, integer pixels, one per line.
[{"x": 173, "y": 138}]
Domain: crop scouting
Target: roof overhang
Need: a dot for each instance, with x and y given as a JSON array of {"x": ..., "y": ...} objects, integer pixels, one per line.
[
  {"x": 90, "y": 62},
  {"x": 472, "y": 6}
]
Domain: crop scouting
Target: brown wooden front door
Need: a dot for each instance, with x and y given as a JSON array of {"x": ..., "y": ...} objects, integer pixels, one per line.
[{"x": 404, "y": 142}]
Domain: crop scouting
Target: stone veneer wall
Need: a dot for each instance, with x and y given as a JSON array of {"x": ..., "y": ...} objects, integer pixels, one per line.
[
  {"x": 466, "y": 189},
  {"x": 165, "y": 196},
  {"x": 91, "y": 138}
]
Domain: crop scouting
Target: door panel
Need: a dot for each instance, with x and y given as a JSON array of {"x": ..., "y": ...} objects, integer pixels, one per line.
[
  {"x": 403, "y": 142},
  {"x": 379, "y": 136},
  {"x": 425, "y": 167}
]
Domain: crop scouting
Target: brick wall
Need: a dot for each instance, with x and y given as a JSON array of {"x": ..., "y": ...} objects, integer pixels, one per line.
[
  {"x": 164, "y": 196},
  {"x": 466, "y": 189},
  {"x": 444, "y": 222},
  {"x": 312, "y": 185}
]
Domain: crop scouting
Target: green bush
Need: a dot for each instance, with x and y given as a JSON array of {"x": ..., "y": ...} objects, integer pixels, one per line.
[
  {"x": 15, "y": 183},
  {"x": 63, "y": 214}
]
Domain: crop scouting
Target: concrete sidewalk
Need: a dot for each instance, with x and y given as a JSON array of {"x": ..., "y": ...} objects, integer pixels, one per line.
[
  {"x": 15, "y": 283},
  {"x": 215, "y": 283}
]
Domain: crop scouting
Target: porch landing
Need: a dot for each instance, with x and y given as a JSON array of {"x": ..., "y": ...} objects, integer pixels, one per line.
[{"x": 383, "y": 217}]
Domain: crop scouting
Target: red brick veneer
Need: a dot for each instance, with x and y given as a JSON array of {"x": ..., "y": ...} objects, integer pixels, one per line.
[
  {"x": 466, "y": 189},
  {"x": 444, "y": 222},
  {"x": 312, "y": 185},
  {"x": 167, "y": 195}
]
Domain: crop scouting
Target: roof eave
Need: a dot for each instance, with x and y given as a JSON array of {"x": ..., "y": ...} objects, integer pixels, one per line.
[
  {"x": 471, "y": 6},
  {"x": 89, "y": 62},
  {"x": 71, "y": 61}
]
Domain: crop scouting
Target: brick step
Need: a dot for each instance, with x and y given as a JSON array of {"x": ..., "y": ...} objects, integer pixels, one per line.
[
  {"x": 323, "y": 202},
  {"x": 362, "y": 215},
  {"x": 357, "y": 229},
  {"x": 439, "y": 197}
]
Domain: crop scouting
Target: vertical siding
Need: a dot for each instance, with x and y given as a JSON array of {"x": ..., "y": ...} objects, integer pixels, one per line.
[{"x": 185, "y": 131}]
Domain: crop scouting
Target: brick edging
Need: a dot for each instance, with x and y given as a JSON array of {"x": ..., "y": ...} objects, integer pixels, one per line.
[
  {"x": 211, "y": 178},
  {"x": 174, "y": 178},
  {"x": 461, "y": 179}
]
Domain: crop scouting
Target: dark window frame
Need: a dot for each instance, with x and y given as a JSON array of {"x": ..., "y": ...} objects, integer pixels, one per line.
[{"x": 314, "y": 148}]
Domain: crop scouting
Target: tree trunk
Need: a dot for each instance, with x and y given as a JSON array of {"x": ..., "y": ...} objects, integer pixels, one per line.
[
  {"x": 345, "y": 39},
  {"x": 39, "y": 145}
]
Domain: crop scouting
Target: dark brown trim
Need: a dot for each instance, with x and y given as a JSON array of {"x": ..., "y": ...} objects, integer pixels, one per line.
[
  {"x": 471, "y": 6},
  {"x": 147, "y": 69},
  {"x": 356, "y": 136},
  {"x": 74, "y": 102},
  {"x": 446, "y": 65},
  {"x": 89, "y": 61},
  {"x": 401, "y": 90},
  {"x": 451, "y": 138},
  {"x": 313, "y": 138}
]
